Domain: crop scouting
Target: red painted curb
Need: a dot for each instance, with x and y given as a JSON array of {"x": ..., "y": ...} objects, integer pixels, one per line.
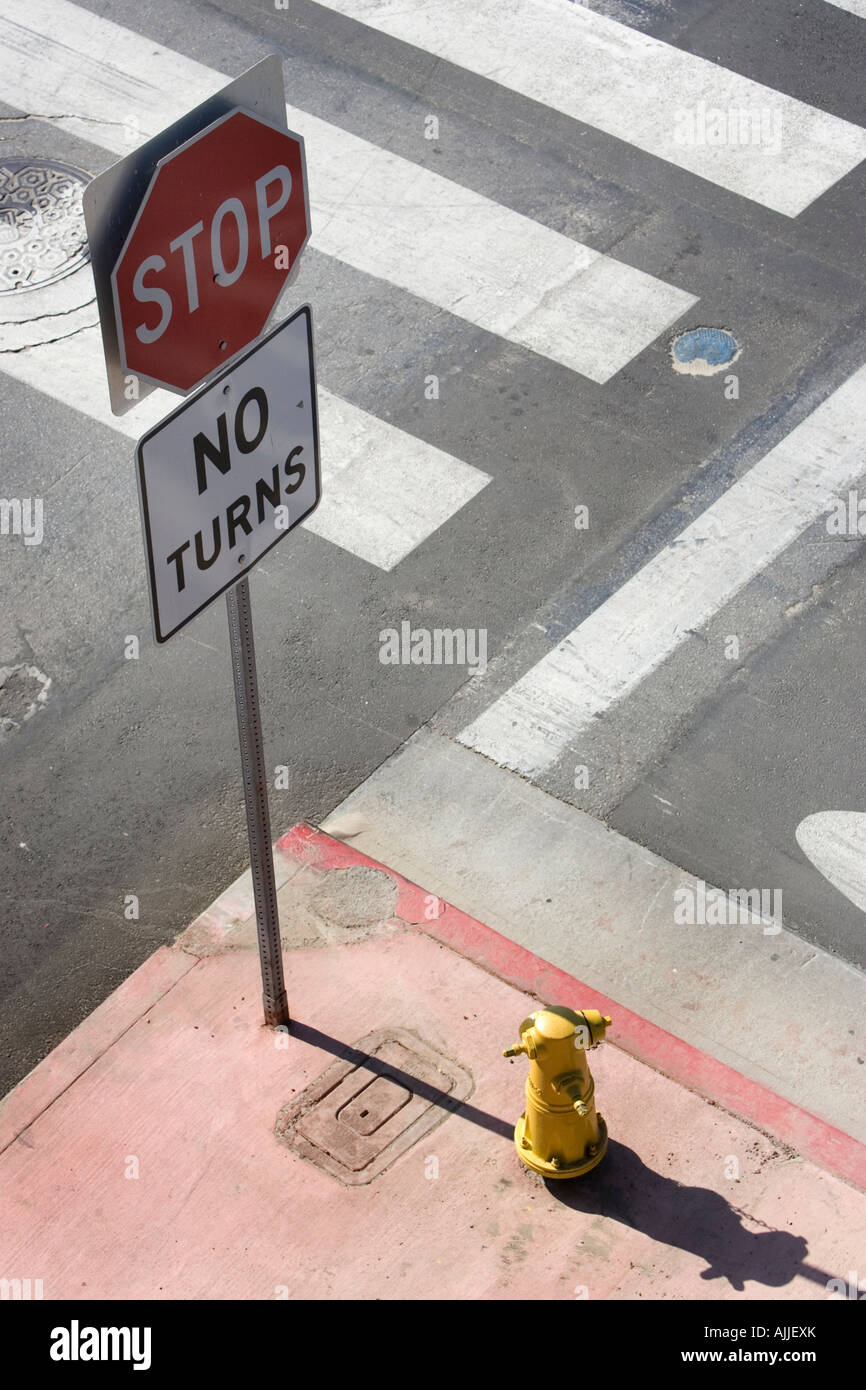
[{"x": 812, "y": 1137}]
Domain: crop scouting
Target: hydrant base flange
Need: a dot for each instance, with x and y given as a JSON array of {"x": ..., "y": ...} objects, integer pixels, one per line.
[{"x": 559, "y": 1170}]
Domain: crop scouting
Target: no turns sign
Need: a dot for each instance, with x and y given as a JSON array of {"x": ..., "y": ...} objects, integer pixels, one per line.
[{"x": 229, "y": 473}]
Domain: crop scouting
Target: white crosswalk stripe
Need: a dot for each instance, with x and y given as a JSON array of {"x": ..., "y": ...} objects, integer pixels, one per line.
[
  {"x": 630, "y": 635},
  {"x": 857, "y": 7},
  {"x": 383, "y": 491},
  {"x": 726, "y": 128},
  {"x": 376, "y": 211}
]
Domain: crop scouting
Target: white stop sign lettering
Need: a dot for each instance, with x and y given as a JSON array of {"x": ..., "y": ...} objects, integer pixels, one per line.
[{"x": 272, "y": 192}]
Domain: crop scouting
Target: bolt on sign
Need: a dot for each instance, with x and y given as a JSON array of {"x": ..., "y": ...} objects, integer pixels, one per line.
[{"x": 229, "y": 473}]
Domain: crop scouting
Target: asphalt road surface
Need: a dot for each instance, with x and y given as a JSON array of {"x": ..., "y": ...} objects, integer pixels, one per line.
[{"x": 516, "y": 209}]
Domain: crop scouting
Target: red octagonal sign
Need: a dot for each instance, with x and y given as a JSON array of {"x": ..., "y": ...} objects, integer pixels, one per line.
[{"x": 218, "y": 234}]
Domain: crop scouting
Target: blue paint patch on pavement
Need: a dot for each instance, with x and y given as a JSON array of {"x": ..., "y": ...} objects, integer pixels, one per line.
[
  {"x": 714, "y": 345},
  {"x": 703, "y": 351}
]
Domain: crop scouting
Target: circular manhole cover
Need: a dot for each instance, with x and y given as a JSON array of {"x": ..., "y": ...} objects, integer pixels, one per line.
[{"x": 42, "y": 232}]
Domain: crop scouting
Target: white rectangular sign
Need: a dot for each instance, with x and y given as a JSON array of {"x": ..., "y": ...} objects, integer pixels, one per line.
[{"x": 227, "y": 474}]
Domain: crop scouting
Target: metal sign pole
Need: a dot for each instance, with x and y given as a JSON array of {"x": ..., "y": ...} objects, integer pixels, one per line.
[{"x": 243, "y": 651}]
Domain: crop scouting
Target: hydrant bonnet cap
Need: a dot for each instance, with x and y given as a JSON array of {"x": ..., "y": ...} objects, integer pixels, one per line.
[{"x": 556, "y": 1022}]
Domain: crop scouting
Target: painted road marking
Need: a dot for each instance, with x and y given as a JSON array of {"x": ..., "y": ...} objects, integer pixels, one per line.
[
  {"x": 835, "y": 841},
  {"x": 857, "y": 7},
  {"x": 376, "y": 211},
  {"x": 383, "y": 491},
  {"x": 765, "y": 146},
  {"x": 679, "y": 590},
  {"x": 704, "y": 351}
]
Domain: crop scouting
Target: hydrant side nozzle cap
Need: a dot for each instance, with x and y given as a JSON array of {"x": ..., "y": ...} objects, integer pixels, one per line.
[{"x": 596, "y": 1022}]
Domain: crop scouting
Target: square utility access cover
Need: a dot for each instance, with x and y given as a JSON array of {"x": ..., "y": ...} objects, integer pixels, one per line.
[{"x": 369, "y": 1107}]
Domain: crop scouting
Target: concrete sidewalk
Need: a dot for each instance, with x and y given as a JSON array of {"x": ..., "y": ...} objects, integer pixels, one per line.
[{"x": 172, "y": 1147}]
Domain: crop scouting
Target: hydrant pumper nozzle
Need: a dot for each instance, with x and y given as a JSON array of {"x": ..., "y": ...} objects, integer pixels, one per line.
[{"x": 560, "y": 1133}]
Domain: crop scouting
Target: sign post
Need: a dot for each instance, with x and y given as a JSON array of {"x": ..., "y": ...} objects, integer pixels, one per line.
[
  {"x": 193, "y": 238},
  {"x": 274, "y": 1000}
]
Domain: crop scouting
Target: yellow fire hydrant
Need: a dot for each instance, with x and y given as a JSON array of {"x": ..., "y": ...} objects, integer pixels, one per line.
[{"x": 560, "y": 1134}]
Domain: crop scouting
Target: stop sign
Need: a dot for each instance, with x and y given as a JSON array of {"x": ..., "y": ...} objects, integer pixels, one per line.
[{"x": 220, "y": 229}]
